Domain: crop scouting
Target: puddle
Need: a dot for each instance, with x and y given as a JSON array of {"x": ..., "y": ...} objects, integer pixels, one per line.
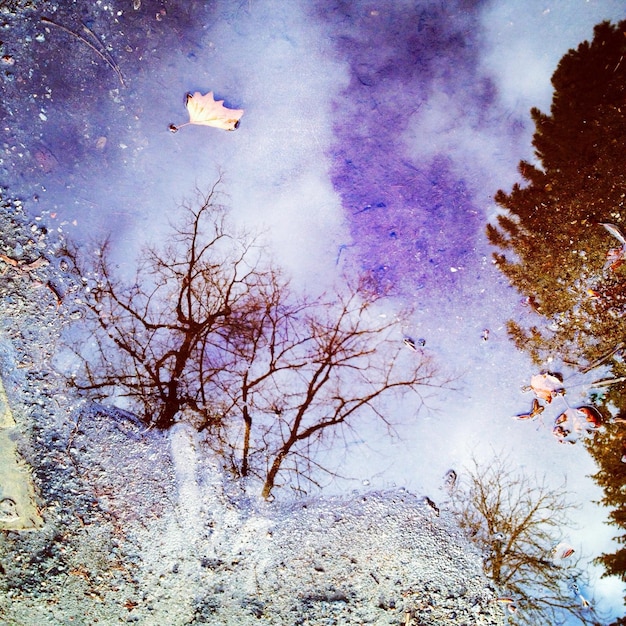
[{"x": 373, "y": 140}]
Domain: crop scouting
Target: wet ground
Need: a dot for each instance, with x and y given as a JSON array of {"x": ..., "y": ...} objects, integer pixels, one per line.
[{"x": 373, "y": 140}]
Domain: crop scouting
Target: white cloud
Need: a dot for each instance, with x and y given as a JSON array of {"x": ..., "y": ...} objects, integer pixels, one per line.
[{"x": 526, "y": 39}]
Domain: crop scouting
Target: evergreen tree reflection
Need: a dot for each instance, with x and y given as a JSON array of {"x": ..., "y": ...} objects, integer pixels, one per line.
[{"x": 561, "y": 242}]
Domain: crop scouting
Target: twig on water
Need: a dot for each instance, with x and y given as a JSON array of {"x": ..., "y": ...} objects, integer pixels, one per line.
[
  {"x": 603, "y": 358},
  {"x": 105, "y": 57}
]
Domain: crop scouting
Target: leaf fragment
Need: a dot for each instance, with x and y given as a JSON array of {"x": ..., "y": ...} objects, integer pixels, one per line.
[
  {"x": 575, "y": 423},
  {"x": 562, "y": 551},
  {"x": 537, "y": 409},
  {"x": 547, "y": 385},
  {"x": 615, "y": 256}
]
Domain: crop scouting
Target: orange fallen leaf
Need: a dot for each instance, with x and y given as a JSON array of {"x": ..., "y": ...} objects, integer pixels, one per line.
[
  {"x": 591, "y": 415},
  {"x": 536, "y": 410},
  {"x": 204, "y": 110}
]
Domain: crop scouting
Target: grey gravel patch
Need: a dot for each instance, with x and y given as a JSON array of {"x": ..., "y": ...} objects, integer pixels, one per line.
[{"x": 377, "y": 558}]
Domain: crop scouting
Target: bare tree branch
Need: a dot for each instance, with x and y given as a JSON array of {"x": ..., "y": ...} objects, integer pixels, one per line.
[
  {"x": 210, "y": 332},
  {"x": 517, "y": 522}
]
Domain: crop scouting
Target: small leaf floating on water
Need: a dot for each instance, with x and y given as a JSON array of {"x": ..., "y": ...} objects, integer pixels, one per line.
[
  {"x": 592, "y": 416},
  {"x": 546, "y": 385},
  {"x": 204, "y": 110},
  {"x": 510, "y": 604},
  {"x": 561, "y": 419},
  {"x": 562, "y": 434},
  {"x": 537, "y": 409},
  {"x": 562, "y": 550}
]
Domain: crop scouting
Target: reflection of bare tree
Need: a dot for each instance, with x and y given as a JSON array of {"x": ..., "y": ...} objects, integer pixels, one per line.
[
  {"x": 209, "y": 332},
  {"x": 148, "y": 338},
  {"x": 308, "y": 368},
  {"x": 517, "y": 522}
]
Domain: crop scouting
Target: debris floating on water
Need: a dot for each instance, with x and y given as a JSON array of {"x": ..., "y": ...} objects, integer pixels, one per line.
[
  {"x": 547, "y": 385},
  {"x": 450, "y": 479},
  {"x": 205, "y": 110},
  {"x": 562, "y": 551},
  {"x": 536, "y": 410}
]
